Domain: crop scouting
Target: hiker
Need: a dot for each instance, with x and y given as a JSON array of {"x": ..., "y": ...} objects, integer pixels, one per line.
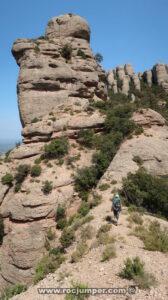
[{"x": 116, "y": 207}]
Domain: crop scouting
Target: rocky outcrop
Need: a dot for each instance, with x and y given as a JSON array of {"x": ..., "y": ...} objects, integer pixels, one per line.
[
  {"x": 120, "y": 79},
  {"x": 25, "y": 151},
  {"x": 48, "y": 79},
  {"x": 148, "y": 117},
  {"x": 158, "y": 75},
  {"x": 29, "y": 214},
  {"x": 54, "y": 96},
  {"x": 65, "y": 121},
  {"x": 151, "y": 147}
]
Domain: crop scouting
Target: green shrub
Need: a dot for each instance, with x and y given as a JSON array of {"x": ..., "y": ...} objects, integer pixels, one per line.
[
  {"x": 7, "y": 179},
  {"x": 47, "y": 244},
  {"x": 150, "y": 97},
  {"x": 66, "y": 52},
  {"x": 67, "y": 237},
  {"x": 18, "y": 187},
  {"x": 81, "y": 54},
  {"x": 49, "y": 165},
  {"x": 78, "y": 221},
  {"x": 145, "y": 190},
  {"x": 37, "y": 49},
  {"x": 47, "y": 187},
  {"x": 138, "y": 130},
  {"x": 104, "y": 238},
  {"x": 85, "y": 179},
  {"x": 48, "y": 264},
  {"x": 108, "y": 218},
  {"x": 35, "y": 120},
  {"x": 35, "y": 171},
  {"x": 98, "y": 57},
  {"x": 138, "y": 160},
  {"x": 114, "y": 181},
  {"x": 7, "y": 159},
  {"x": 119, "y": 121},
  {"x": 108, "y": 253},
  {"x": 132, "y": 208},
  {"x": 135, "y": 218},
  {"x": 80, "y": 251},
  {"x": 61, "y": 223},
  {"x": 81, "y": 296},
  {"x": 104, "y": 187},
  {"x": 103, "y": 235},
  {"x": 37, "y": 161},
  {"x": 50, "y": 235},
  {"x": 72, "y": 159},
  {"x": 87, "y": 233},
  {"x": 2, "y": 233},
  {"x": 146, "y": 281},
  {"x": 55, "y": 251},
  {"x": 133, "y": 268},
  {"x": 107, "y": 146},
  {"x": 96, "y": 201},
  {"x": 104, "y": 228},
  {"x": 84, "y": 209},
  {"x": 14, "y": 290},
  {"x": 18, "y": 144},
  {"x": 61, "y": 212},
  {"x": 154, "y": 238},
  {"x": 86, "y": 137},
  {"x": 57, "y": 148},
  {"x": 22, "y": 172},
  {"x": 119, "y": 84}
]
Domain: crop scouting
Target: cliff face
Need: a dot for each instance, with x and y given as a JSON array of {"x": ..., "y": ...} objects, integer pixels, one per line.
[
  {"x": 57, "y": 69},
  {"x": 58, "y": 78}
]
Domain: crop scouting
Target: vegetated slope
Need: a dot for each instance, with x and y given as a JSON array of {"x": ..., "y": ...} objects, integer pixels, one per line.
[
  {"x": 92, "y": 271},
  {"x": 96, "y": 258}
]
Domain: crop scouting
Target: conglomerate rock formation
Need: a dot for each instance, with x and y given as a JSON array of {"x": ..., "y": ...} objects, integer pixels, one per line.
[
  {"x": 121, "y": 78},
  {"x": 59, "y": 79},
  {"x": 50, "y": 79}
]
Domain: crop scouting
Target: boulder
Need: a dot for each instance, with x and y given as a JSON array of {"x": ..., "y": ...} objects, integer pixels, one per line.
[
  {"x": 69, "y": 25},
  {"x": 110, "y": 78},
  {"x": 25, "y": 151},
  {"x": 160, "y": 73},
  {"x": 25, "y": 246},
  {"x": 120, "y": 72},
  {"x": 136, "y": 82},
  {"x": 148, "y": 117},
  {"x": 129, "y": 69},
  {"x": 114, "y": 87},
  {"x": 125, "y": 85}
]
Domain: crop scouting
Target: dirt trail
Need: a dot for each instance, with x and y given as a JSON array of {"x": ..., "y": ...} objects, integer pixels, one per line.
[{"x": 106, "y": 274}]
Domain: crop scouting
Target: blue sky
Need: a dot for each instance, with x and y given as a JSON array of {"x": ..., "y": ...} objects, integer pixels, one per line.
[{"x": 122, "y": 30}]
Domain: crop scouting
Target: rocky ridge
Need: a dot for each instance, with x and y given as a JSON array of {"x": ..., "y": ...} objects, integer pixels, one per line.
[{"x": 121, "y": 78}]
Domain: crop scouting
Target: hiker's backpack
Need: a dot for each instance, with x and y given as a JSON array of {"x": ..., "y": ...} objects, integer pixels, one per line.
[{"x": 117, "y": 204}]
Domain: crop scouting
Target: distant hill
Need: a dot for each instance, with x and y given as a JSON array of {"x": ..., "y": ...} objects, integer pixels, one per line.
[{"x": 5, "y": 145}]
